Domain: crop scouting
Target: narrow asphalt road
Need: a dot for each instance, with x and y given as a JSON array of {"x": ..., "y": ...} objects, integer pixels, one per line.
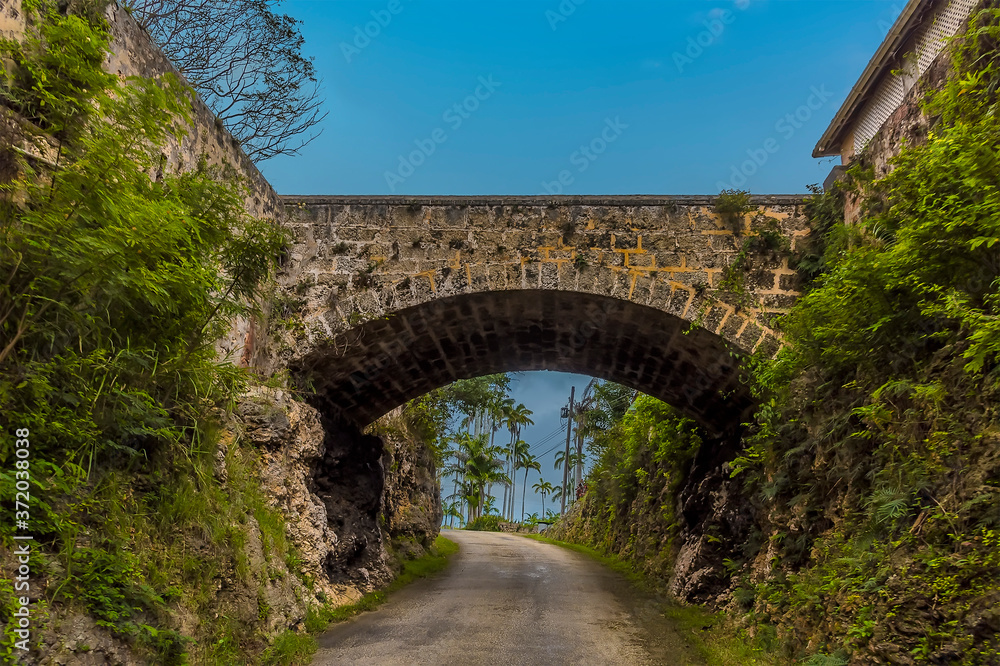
[{"x": 509, "y": 600}]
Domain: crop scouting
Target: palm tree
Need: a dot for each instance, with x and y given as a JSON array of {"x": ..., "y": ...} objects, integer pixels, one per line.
[
  {"x": 527, "y": 462},
  {"x": 489, "y": 507},
  {"x": 543, "y": 487},
  {"x": 453, "y": 510},
  {"x": 505, "y": 409},
  {"x": 516, "y": 454},
  {"x": 456, "y": 469},
  {"x": 515, "y": 419},
  {"x": 557, "y": 494},
  {"x": 496, "y": 410},
  {"x": 560, "y": 457},
  {"x": 469, "y": 493},
  {"x": 482, "y": 466}
]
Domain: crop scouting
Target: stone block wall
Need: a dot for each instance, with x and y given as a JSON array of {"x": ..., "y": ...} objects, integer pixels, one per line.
[{"x": 384, "y": 299}]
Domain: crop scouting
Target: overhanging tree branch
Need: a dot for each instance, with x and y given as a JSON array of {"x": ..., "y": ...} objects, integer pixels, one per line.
[{"x": 246, "y": 62}]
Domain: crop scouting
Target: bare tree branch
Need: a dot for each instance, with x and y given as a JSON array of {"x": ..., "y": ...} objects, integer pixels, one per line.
[{"x": 246, "y": 62}]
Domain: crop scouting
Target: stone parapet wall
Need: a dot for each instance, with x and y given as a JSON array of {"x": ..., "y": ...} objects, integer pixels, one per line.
[{"x": 356, "y": 258}]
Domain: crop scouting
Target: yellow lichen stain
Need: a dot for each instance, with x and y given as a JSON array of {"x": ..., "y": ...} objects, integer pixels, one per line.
[
  {"x": 430, "y": 276},
  {"x": 729, "y": 311},
  {"x": 711, "y": 275},
  {"x": 631, "y": 288}
]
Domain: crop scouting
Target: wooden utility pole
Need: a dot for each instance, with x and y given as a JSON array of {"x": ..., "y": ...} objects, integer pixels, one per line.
[
  {"x": 569, "y": 432},
  {"x": 579, "y": 460},
  {"x": 585, "y": 402}
]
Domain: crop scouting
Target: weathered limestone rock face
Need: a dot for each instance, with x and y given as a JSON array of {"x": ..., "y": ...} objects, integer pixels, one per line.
[
  {"x": 678, "y": 525},
  {"x": 350, "y": 480},
  {"x": 347, "y": 497},
  {"x": 716, "y": 519},
  {"x": 412, "y": 498},
  {"x": 347, "y": 520},
  {"x": 292, "y": 441},
  {"x": 76, "y": 639}
]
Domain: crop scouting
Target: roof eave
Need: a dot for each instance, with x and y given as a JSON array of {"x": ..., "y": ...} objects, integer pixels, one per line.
[{"x": 830, "y": 143}]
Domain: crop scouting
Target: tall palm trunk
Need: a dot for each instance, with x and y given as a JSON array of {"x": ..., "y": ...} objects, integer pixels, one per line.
[
  {"x": 503, "y": 511},
  {"x": 454, "y": 492},
  {"x": 517, "y": 438},
  {"x": 524, "y": 491}
]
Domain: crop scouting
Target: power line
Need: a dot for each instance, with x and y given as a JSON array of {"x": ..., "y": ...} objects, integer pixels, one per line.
[
  {"x": 545, "y": 440},
  {"x": 542, "y": 455}
]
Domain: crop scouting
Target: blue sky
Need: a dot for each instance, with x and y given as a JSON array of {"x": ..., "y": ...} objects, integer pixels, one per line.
[
  {"x": 686, "y": 112},
  {"x": 619, "y": 97}
]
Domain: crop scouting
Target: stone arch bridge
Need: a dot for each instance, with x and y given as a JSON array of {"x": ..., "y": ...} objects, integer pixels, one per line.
[{"x": 385, "y": 298}]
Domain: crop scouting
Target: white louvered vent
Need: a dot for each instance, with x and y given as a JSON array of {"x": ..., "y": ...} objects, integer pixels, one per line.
[
  {"x": 921, "y": 51},
  {"x": 887, "y": 98}
]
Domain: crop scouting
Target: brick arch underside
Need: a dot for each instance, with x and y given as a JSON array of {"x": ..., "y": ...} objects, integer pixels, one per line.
[{"x": 363, "y": 373}]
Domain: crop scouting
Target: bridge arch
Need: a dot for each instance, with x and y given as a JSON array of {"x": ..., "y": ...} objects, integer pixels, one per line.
[{"x": 389, "y": 298}]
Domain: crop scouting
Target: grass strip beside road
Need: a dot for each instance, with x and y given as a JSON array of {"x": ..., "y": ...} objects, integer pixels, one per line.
[
  {"x": 718, "y": 643},
  {"x": 431, "y": 563},
  {"x": 293, "y": 649}
]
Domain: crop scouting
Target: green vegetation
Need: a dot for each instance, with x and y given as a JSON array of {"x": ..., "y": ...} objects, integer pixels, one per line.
[
  {"x": 629, "y": 506},
  {"x": 872, "y": 469},
  {"x": 877, "y": 435},
  {"x": 115, "y": 287},
  {"x": 763, "y": 244},
  {"x": 475, "y": 461},
  {"x": 543, "y": 488},
  {"x": 484, "y": 524},
  {"x": 733, "y": 206},
  {"x": 290, "y": 649},
  {"x": 719, "y": 643}
]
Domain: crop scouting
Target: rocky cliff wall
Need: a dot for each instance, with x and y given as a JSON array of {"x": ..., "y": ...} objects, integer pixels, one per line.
[
  {"x": 676, "y": 518},
  {"x": 348, "y": 508}
]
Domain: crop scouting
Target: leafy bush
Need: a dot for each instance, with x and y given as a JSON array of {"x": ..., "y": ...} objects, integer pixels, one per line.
[
  {"x": 732, "y": 206},
  {"x": 875, "y": 454},
  {"x": 114, "y": 287},
  {"x": 484, "y": 524}
]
